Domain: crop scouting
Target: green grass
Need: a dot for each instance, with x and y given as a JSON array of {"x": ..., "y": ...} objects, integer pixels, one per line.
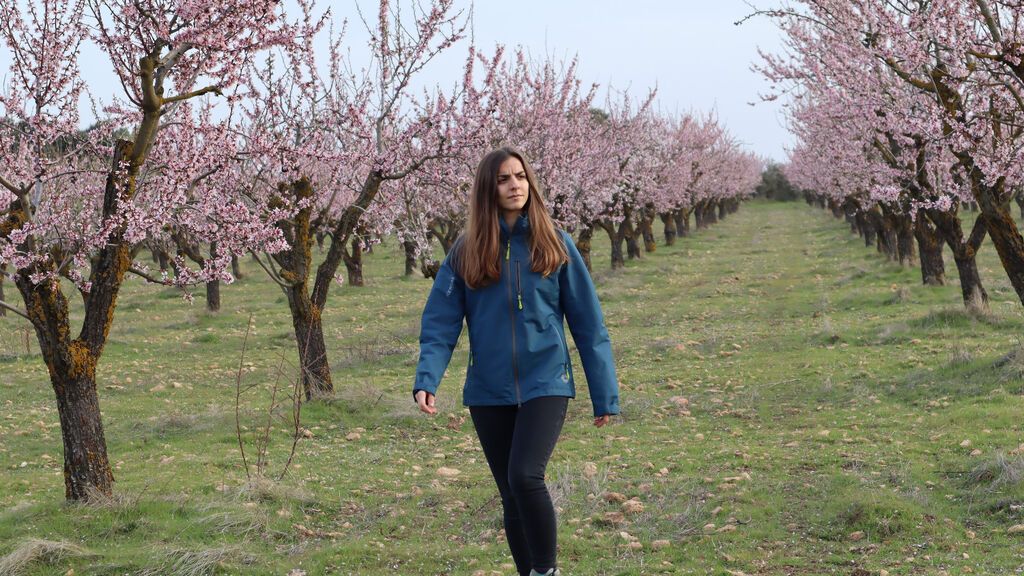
[{"x": 839, "y": 416}]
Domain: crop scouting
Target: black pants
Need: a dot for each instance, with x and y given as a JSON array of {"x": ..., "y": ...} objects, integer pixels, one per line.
[{"x": 518, "y": 441}]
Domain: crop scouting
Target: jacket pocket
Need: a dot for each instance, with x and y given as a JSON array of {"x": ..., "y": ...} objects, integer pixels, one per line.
[{"x": 553, "y": 322}]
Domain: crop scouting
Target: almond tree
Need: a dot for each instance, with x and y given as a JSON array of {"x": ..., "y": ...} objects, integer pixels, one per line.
[
  {"x": 325, "y": 145},
  {"x": 857, "y": 74},
  {"x": 71, "y": 203},
  {"x": 964, "y": 58}
]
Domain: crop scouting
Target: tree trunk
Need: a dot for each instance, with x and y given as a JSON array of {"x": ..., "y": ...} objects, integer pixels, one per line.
[
  {"x": 1001, "y": 228},
  {"x": 947, "y": 225},
  {"x": 213, "y": 287},
  {"x": 698, "y": 216},
  {"x": 836, "y": 208},
  {"x": 906, "y": 247},
  {"x": 933, "y": 268},
  {"x": 682, "y": 218},
  {"x": 236, "y": 269},
  {"x": 72, "y": 363},
  {"x": 3, "y": 274},
  {"x": 670, "y": 228},
  {"x": 354, "y": 263},
  {"x": 647, "y": 229},
  {"x": 1008, "y": 242},
  {"x": 583, "y": 245},
  {"x": 72, "y": 368},
  {"x": 865, "y": 229},
  {"x": 446, "y": 231},
  {"x": 309, "y": 336},
  {"x": 710, "y": 214},
  {"x": 618, "y": 261},
  {"x": 630, "y": 234},
  {"x": 295, "y": 267},
  {"x": 410, "y": 257},
  {"x": 721, "y": 210},
  {"x": 885, "y": 233},
  {"x": 165, "y": 261},
  {"x": 213, "y": 296},
  {"x": 429, "y": 269},
  {"x": 86, "y": 464}
]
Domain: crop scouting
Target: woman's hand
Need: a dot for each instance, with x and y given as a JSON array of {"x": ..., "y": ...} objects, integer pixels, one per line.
[
  {"x": 425, "y": 400},
  {"x": 602, "y": 420}
]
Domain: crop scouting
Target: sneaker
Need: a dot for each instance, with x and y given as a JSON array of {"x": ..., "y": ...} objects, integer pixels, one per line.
[{"x": 550, "y": 572}]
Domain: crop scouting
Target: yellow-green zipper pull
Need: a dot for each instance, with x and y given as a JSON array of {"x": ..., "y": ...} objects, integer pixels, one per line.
[
  {"x": 508, "y": 250},
  {"x": 520, "y": 301}
]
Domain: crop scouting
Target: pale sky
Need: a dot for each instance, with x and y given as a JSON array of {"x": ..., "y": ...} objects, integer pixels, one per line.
[{"x": 690, "y": 49}]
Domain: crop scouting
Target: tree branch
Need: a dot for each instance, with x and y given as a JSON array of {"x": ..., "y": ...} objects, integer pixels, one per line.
[
  {"x": 15, "y": 310},
  {"x": 6, "y": 184},
  {"x": 150, "y": 278},
  {"x": 990, "y": 21},
  {"x": 193, "y": 94},
  {"x": 273, "y": 275}
]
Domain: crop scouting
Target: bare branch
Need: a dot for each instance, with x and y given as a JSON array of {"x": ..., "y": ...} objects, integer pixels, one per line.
[
  {"x": 15, "y": 310},
  {"x": 179, "y": 97},
  {"x": 6, "y": 184},
  {"x": 273, "y": 275},
  {"x": 150, "y": 278}
]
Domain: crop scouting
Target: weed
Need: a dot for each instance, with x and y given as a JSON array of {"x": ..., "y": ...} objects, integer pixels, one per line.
[
  {"x": 204, "y": 562},
  {"x": 998, "y": 471},
  {"x": 37, "y": 551},
  {"x": 960, "y": 355}
]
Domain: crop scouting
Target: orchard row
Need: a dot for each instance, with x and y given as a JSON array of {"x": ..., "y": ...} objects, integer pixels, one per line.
[
  {"x": 904, "y": 112},
  {"x": 242, "y": 128}
]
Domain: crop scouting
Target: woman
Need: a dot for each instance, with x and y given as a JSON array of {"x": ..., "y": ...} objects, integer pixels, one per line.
[{"x": 513, "y": 277}]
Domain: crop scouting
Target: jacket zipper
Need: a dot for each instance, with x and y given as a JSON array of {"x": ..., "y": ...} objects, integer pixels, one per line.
[
  {"x": 565, "y": 356},
  {"x": 512, "y": 317},
  {"x": 519, "y": 286}
]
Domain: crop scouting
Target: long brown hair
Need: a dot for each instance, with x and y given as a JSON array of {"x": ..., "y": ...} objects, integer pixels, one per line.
[{"x": 478, "y": 257}]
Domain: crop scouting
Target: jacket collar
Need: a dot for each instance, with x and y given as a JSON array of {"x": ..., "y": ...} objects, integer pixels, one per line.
[{"x": 521, "y": 227}]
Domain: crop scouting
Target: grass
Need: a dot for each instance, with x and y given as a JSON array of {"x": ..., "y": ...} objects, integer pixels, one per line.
[{"x": 792, "y": 404}]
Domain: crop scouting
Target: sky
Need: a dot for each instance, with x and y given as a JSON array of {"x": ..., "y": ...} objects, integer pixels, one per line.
[{"x": 691, "y": 50}]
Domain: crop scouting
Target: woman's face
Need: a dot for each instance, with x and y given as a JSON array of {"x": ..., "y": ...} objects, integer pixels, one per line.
[{"x": 513, "y": 188}]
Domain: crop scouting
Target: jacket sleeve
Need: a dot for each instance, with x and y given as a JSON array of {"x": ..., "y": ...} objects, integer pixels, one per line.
[
  {"x": 586, "y": 323},
  {"x": 440, "y": 327}
]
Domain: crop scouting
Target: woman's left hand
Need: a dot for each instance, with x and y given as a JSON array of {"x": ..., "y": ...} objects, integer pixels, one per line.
[{"x": 602, "y": 420}]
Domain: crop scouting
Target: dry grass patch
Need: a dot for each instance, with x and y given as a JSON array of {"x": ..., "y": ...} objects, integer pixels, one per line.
[
  {"x": 998, "y": 471},
  {"x": 38, "y": 551},
  {"x": 203, "y": 562}
]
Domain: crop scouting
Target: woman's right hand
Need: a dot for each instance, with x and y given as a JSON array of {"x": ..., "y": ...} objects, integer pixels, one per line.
[{"x": 425, "y": 400}]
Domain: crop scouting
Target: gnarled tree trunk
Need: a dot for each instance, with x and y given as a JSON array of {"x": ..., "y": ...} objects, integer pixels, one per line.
[
  {"x": 682, "y": 218},
  {"x": 583, "y": 244},
  {"x": 354, "y": 263},
  {"x": 617, "y": 239},
  {"x": 906, "y": 245},
  {"x": 647, "y": 216},
  {"x": 947, "y": 225},
  {"x": 933, "y": 268},
  {"x": 3, "y": 275},
  {"x": 884, "y": 232},
  {"x": 630, "y": 234},
  {"x": 670, "y": 228},
  {"x": 410, "y": 256}
]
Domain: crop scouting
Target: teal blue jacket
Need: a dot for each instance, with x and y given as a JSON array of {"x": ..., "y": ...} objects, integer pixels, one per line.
[{"x": 517, "y": 346}]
